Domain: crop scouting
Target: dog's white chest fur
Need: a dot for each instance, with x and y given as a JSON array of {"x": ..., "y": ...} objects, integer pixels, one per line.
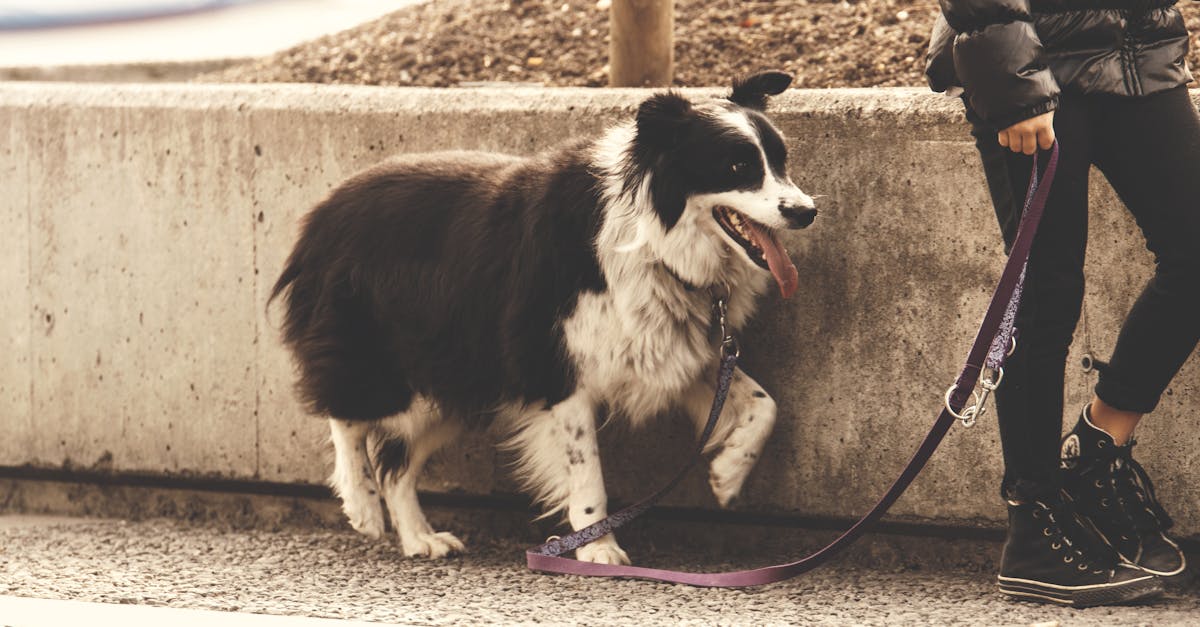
[
  {"x": 640, "y": 354},
  {"x": 640, "y": 345}
]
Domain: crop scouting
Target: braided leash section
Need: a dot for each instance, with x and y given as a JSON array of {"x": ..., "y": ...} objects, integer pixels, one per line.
[
  {"x": 1000, "y": 344},
  {"x": 995, "y": 331}
]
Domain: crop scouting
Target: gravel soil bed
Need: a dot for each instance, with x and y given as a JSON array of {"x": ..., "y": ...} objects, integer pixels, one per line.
[
  {"x": 338, "y": 574},
  {"x": 447, "y": 43}
]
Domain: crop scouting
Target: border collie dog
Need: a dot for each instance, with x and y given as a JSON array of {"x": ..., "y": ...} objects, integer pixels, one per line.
[{"x": 438, "y": 292}]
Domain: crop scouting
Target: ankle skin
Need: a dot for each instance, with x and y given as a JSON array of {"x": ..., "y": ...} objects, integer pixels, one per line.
[{"x": 1117, "y": 423}]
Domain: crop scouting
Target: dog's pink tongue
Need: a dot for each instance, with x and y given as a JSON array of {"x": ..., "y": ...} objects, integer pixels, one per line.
[{"x": 777, "y": 260}]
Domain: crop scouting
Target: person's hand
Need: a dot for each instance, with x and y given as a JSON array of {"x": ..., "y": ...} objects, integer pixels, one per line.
[{"x": 1029, "y": 135}]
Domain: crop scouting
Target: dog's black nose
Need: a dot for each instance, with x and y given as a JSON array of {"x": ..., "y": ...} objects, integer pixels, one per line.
[{"x": 798, "y": 217}]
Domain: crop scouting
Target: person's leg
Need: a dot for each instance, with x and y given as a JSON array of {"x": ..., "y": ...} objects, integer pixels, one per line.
[
  {"x": 1029, "y": 403},
  {"x": 1047, "y": 556},
  {"x": 1148, "y": 148}
]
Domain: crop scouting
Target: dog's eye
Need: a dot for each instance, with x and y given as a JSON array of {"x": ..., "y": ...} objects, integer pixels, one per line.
[{"x": 739, "y": 166}]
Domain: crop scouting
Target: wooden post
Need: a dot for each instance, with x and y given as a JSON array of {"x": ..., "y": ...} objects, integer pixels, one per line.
[{"x": 641, "y": 51}]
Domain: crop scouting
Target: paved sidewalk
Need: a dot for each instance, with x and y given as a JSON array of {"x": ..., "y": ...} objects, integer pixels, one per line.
[
  {"x": 337, "y": 574},
  {"x": 30, "y": 612}
]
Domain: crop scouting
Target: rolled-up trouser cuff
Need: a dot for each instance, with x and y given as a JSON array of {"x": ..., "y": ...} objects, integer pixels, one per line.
[{"x": 1117, "y": 394}]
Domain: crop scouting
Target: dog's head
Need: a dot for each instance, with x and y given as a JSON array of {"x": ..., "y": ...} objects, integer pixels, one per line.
[{"x": 718, "y": 181}]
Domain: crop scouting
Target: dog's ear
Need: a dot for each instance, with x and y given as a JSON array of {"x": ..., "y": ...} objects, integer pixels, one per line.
[
  {"x": 751, "y": 92},
  {"x": 661, "y": 121},
  {"x": 661, "y": 118}
]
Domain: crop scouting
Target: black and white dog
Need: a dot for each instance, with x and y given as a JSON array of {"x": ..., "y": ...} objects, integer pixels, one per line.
[{"x": 441, "y": 291}]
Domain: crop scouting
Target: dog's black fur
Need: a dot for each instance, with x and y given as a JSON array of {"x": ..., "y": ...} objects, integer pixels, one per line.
[{"x": 402, "y": 282}]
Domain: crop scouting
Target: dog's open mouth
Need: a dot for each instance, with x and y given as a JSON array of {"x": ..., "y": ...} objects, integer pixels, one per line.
[{"x": 761, "y": 246}]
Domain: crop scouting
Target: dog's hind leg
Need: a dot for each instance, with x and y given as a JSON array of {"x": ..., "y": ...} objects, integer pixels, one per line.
[
  {"x": 423, "y": 432},
  {"x": 353, "y": 476},
  {"x": 741, "y": 432},
  {"x": 559, "y": 462}
]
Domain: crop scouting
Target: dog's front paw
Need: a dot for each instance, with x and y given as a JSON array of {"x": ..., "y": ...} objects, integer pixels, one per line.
[
  {"x": 433, "y": 544},
  {"x": 602, "y": 551},
  {"x": 727, "y": 474},
  {"x": 365, "y": 515}
]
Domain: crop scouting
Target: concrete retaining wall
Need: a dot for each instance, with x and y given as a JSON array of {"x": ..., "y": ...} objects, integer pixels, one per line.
[{"x": 141, "y": 227}]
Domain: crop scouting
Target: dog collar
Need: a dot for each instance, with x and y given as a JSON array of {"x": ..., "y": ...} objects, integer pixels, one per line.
[{"x": 687, "y": 285}]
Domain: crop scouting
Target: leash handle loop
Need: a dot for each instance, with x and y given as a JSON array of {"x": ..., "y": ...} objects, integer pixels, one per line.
[{"x": 995, "y": 330}]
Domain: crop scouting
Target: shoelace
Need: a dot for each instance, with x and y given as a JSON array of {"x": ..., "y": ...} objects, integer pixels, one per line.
[
  {"x": 1130, "y": 487},
  {"x": 1065, "y": 532},
  {"x": 1135, "y": 492}
]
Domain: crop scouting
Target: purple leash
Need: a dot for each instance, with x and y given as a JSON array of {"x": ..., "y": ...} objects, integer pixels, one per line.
[{"x": 992, "y": 344}]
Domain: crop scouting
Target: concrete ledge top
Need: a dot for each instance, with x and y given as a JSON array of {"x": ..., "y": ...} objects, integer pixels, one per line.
[{"x": 346, "y": 98}]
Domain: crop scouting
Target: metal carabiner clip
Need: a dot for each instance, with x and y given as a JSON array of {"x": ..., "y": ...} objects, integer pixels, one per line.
[
  {"x": 729, "y": 343},
  {"x": 969, "y": 413},
  {"x": 989, "y": 380}
]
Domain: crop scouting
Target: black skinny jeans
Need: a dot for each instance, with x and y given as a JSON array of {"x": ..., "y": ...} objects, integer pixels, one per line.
[{"x": 1149, "y": 150}]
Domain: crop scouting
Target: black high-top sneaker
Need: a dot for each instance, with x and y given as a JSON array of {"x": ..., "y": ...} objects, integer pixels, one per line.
[
  {"x": 1113, "y": 494},
  {"x": 1049, "y": 557}
]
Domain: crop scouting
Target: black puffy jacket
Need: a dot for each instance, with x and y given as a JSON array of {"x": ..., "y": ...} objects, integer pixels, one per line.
[{"x": 1012, "y": 57}]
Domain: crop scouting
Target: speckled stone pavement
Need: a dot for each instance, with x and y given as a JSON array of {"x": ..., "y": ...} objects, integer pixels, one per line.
[{"x": 336, "y": 574}]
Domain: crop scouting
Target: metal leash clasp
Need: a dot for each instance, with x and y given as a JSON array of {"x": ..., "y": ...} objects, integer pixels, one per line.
[
  {"x": 729, "y": 343},
  {"x": 989, "y": 380}
]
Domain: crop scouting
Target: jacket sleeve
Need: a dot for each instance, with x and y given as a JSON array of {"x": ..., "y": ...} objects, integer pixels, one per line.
[
  {"x": 998, "y": 59},
  {"x": 939, "y": 60}
]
